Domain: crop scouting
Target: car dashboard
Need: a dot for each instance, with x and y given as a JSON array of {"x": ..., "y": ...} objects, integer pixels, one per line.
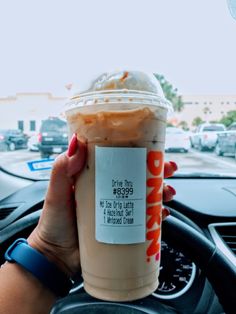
[{"x": 206, "y": 204}]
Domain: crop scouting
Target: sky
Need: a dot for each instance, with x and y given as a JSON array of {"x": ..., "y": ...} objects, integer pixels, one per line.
[{"x": 46, "y": 44}]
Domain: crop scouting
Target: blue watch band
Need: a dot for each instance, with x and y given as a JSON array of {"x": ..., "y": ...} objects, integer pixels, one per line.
[{"x": 38, "y": 265}]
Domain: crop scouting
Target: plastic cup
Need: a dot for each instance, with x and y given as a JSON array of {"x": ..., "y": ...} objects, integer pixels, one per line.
[{"x": 119, "y": 192}]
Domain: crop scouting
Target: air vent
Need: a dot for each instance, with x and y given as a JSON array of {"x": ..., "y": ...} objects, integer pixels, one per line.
[
  {"x": 6, "y": 210},
  {"x": 228, "y": 234},
  {"x": 224, "y": 236}
]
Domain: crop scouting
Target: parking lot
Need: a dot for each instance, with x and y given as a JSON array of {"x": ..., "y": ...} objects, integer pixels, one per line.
[
  {"x": 196, "y": 161},
  {"x": 191, "y": 162}
]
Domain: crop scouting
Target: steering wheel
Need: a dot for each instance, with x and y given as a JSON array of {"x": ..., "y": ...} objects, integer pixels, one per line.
[{"x": 220, "y": 272}]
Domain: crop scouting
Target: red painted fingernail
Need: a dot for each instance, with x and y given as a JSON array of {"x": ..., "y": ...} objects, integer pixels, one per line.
[
  {"x": 165, "y": 213},
  {"x": 174, "y": 165},
  {"x": 72, "y": 146},
  {"x": 172, "y": 190},
  {"x": 157, "y": 257}
]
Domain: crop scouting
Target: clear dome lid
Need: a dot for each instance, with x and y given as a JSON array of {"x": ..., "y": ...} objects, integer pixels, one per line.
[{"x": 126, "y": 85}]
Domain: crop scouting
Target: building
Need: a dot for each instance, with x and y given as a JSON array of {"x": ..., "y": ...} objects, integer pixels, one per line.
[
  {"x": 207, "y": 107},
  {"x": 25, "y": 111}
]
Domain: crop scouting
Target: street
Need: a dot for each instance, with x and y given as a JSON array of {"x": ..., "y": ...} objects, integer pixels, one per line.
[{"x": 191, "y": 162}]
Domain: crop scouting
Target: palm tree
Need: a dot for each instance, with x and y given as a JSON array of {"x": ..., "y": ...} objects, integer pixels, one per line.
[{"x": 170, "y": 93}]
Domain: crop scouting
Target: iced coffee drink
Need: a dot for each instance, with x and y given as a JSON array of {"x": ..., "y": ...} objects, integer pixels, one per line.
[{"x": 122, "y": 117}]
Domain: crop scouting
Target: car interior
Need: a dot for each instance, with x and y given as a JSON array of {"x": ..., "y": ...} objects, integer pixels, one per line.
[
  {"x": 198, "y": 242},
  {"x": 53, "y": 43}
]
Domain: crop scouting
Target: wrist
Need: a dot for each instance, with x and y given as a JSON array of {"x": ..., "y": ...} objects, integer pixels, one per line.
[
  {"x": 45, "y": 250},
  {"x": 49, "y": 252}
]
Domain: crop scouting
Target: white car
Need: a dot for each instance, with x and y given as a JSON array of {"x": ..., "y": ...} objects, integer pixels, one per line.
[
  {"x": 177, "y": 140},
  {"x": 205, "y": 136}
]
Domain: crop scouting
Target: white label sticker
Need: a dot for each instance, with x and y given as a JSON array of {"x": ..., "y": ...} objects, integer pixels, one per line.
[{"x": 120, "y": 195}]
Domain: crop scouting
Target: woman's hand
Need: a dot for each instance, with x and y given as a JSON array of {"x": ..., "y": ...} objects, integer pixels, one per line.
[{"x": 56, "y": 233}]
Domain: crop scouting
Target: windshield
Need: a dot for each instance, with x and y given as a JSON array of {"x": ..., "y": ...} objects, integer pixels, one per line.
[
  {"x": 50, "y": 49},
  {"x": 213, "y": 128},
  {"x": 10, "y": 132},
  {"x": 54, "y": 126}
]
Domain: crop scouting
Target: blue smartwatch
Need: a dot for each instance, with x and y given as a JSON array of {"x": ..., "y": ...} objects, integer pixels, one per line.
[{"x": 38, "y": 265}]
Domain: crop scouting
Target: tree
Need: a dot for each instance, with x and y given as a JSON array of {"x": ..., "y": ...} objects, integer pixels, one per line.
[
  {"x": 170, "y": 93},
  {"x": 184, "y": 125},
  {"x": 229, "y": 118},
  {"x": 197, "y": 121}
]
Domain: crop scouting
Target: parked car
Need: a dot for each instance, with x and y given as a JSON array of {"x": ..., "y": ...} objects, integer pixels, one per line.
[
  {"x": 53, "y": 137},
  {"x": 33, "y": 143},
  {"x": 205, "y": 136},
  {"x": 176, "y": 140},
  {"x": 12, "y": 139},
  {"x": 226, "y": 141}
]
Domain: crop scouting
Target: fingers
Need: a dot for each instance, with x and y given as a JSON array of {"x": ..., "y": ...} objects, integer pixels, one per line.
[
  {"x": 170, "y": 168},
  {"x": 168, "y": 193},
  {"x": 65, "y": 167},
  {"x": 78, "y": 159},
  {"x": 72, "y": 146}
]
